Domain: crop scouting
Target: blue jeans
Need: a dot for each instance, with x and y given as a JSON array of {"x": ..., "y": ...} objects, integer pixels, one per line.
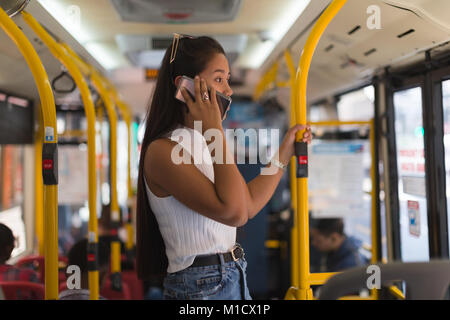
[{"x": 225, "y": 281}]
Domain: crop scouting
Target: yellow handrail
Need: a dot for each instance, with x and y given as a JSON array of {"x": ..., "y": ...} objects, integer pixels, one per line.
[
  {"x": 375, "y": 257},
  {"x": 49, "y": 117},
  {"x": 74, "y": 133},
  {"x": 294, "y": 230},
  {"x": 321, "y": 278},
  {"x": 396, "y": 292},
  {"x": 39, "y": 185},
  {"x": 339, "y": 123},
  {"x": 268, "y": 78},
  {"x": 127, "y": 116},
  {"x": 61, "y": 54},
  {"x": 99, "y": 84},
  {"x": 304, "y": 291}
]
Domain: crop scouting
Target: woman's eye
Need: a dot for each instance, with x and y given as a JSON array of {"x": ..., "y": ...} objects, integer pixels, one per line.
[{"x": 219, "y": 80}]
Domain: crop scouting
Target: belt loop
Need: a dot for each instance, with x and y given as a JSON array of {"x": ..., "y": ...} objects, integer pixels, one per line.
[{"x": 222, "y": 264}]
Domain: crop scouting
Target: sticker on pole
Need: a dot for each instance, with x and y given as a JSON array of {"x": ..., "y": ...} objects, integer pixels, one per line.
[
  {"x": 49, "y": 134},
  {"x": 91, "y": 236},
  {"x": 414, "y": 218}
]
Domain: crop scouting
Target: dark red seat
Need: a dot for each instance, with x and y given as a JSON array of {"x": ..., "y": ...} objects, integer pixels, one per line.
[
  {"x": 22, "y": 290},
  {"x": 135, "y": 285},
  {"x": 37, "y": 263},
  {"x": 110, "y": 294}
]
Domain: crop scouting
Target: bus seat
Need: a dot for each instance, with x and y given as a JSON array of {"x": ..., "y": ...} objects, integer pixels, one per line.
[
  {"x": 37, "y": 263},
  {"x": 62, "y": 286},
  {"x": 135, "y": 285},
  {"x": 110, "y": 294},
  {"x": 424, "y": 280},
  {"x": 22, "y": 290}
]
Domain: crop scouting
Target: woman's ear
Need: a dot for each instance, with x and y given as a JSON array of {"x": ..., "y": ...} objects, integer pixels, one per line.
[{"x": 177, "y": 80}]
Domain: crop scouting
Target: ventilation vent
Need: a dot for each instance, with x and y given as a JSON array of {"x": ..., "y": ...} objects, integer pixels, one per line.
[
  {"x": 368, "y": 53},
  {"x": 404, "y": 34},
  {"x": 354, "y": 30},
  {"x": 161, "y": 44},
  {"x": 177, "y": 11},
  {"x": 350, "y": 62}
]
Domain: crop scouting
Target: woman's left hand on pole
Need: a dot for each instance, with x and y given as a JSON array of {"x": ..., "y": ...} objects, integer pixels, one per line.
[{"x": 286, "y": 150}]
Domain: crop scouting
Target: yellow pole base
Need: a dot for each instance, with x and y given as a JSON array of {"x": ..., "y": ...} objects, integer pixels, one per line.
[{"x": 294, "y": 293}]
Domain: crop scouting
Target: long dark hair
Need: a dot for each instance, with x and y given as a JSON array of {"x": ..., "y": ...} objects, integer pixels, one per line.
[{"x": 165, "y": 114}]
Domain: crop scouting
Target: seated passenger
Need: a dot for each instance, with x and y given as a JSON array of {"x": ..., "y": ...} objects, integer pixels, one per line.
[
  {"x": 78, "y": 256},
  {"x": 338, "y": 250},
  {"x": 105, "y": 228},
  {"x": 9, "y": 272}
]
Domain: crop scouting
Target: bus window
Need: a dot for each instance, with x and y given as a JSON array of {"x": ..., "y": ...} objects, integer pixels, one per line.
[
  {"x": 356, "y": 105},
  {"x": 11, "y": 193},
  {"x": 446, "y": 106},
  {"x": 122, "y": 163},
  {"x": 409, "y": 134},
  {"x": 322, "y": 112}
]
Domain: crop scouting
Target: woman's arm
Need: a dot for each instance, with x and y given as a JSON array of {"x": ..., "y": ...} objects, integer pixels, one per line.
[
  {"x": 227, "y": 182},
  {"x": 223, "y": 201},
  {"x": 260, "y": 190}
]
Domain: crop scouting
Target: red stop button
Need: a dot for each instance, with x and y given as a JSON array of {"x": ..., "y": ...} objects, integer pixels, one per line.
[
  {"x": 303, "y": 160},
  {"x": 47, "y": 164}
]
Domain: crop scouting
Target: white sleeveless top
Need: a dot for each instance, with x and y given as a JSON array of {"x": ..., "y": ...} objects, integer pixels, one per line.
[{"x": 187, "y": 233}]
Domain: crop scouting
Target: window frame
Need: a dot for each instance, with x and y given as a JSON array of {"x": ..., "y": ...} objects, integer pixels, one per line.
[{"x": 430, "y": 83}]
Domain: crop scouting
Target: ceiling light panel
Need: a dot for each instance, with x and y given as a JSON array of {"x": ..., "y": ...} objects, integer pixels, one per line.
[
  {"x": 148, "y": 50},
  {"x": 177, "y": 11}
]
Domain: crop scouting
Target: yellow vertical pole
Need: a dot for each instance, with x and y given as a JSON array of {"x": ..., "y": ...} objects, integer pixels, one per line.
[
  {"x": 100, "y": 121},
  {"x": 49, "y": 117},
  {"x": 39, "y": 184},
  {"x": 294, "y": 231},
  {"x": 127, "y": 116},
  {"x": 129, "y": 226},
  {"x": 61, "y": 54},
  {"x": 115, "y": 215},
  {"x": 99, "y": 84},
  {"x": 375, "y": 258},
  {"x": 305, "y": 292}
]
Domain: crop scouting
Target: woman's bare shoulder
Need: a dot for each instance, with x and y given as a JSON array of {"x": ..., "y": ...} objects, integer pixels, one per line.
[{"x": 159, "y": 149}]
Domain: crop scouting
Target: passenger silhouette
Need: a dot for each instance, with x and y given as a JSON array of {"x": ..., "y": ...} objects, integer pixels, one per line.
[
  {"x": 10, "y": 272},
  {"x": 78, "y": 257},
  {"x": 338, "y": 250}
]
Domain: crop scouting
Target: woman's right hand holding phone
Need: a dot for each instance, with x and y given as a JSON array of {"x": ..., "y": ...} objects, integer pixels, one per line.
[{"x": 204, "y": 108}]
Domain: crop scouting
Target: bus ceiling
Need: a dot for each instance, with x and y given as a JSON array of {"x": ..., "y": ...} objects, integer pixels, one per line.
[{"x": 367, "y": 36}]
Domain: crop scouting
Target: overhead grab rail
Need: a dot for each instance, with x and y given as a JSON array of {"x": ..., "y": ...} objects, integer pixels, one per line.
[
  {"x": 62, "y": 75},
  {"x": 77, "y": 77},
  {"x": 49, "y": 150}
]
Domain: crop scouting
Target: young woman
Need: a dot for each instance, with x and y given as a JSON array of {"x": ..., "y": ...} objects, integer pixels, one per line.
[{"x": 187, "y": 213}]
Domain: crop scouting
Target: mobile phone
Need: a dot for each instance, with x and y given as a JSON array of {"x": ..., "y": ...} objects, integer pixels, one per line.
[{"x": 223, "y": 101}]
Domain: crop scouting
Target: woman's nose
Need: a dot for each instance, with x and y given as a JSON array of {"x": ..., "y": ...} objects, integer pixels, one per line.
[{"x": 228, "y": 91}]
